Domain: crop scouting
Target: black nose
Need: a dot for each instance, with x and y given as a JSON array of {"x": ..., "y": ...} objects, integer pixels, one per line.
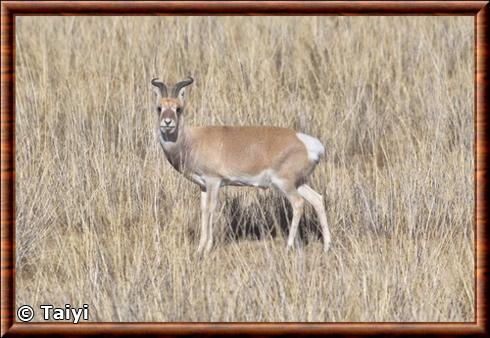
[{"x": 167, "y": 122}]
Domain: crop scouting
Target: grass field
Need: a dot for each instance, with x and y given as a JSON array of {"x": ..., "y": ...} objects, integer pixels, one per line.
[{"x": 103, "y": 219}]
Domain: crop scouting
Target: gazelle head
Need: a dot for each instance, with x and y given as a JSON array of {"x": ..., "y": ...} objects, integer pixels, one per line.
[{"x": 170, "y": 106}]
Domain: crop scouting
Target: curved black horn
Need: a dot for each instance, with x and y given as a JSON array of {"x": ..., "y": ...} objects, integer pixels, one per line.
[
  {"x": 160, "y": 85},
  {"x": 182, "y": 84}
]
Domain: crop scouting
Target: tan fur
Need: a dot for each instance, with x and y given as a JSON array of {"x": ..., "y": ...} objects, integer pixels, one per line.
[
  {"x": 225, "y": 152},
  {"x": 170, "y": 102}
]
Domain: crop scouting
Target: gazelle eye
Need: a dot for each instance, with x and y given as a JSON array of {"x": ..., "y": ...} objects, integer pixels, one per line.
[
  {"x": 179, "y": 110},
  {"x": 159, "y": 109}
]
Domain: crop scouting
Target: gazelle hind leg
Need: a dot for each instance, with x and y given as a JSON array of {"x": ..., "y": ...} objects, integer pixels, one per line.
[
  {"x": 297, "y": 203},
  {"x": 316, "y": 200}
]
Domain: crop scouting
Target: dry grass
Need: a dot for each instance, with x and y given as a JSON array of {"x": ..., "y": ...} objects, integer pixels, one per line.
[{"x": 103, "y": 219}]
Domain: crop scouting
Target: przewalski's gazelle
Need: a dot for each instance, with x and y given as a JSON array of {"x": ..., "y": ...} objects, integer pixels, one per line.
[{"x": 217, "y": 156}]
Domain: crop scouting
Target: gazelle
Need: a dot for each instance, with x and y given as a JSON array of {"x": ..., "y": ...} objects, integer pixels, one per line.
[{"x": 218, "y": 156}]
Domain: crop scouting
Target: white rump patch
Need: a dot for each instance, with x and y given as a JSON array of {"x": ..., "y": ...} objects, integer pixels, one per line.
[{"x": 313, "y": 146}]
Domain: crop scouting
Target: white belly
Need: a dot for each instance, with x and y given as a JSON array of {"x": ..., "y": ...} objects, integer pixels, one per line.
[{"x": 262, "y": 180}]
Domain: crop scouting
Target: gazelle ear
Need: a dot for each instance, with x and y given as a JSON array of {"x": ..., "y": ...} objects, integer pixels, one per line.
[
  {"x": 179, "y": 89},
  {"x": 181, "y": 95},
  {"x": 159, "y": 87}
]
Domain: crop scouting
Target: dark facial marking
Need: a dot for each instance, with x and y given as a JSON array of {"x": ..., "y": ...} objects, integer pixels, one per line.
[{"x": 167, "y": 137}]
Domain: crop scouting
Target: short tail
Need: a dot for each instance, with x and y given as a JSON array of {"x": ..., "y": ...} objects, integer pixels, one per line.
[{"x": 314, "y": 147}]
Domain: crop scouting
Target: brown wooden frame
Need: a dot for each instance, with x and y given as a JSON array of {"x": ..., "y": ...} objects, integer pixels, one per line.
[{"x": 10, "y": 9}]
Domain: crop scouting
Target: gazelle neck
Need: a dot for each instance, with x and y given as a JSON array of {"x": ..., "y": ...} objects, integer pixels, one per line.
[{"x": 175, "y": 146}]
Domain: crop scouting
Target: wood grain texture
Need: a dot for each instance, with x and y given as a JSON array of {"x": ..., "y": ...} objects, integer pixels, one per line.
[
  {"x": 481, "y": 156},
  {"x": 259, "y": 329},
  {"x": 7, "y": 175},
  {"x": 248, "y": 7},
  {"x": 479, "y": 9}
]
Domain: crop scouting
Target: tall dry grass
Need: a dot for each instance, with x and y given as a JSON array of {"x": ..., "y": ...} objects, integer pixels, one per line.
[{"x": 103, "y": 219}]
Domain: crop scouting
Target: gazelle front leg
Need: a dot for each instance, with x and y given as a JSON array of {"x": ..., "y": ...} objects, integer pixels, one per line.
[
  {"x": 204, "y": 221},
  {"x": 212, "y": 188}
]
